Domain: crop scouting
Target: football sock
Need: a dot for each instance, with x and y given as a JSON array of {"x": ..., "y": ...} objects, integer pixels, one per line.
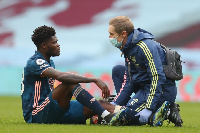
[
  {"x": 105, "y": 113},
  {"x": 86, "y": 99}
]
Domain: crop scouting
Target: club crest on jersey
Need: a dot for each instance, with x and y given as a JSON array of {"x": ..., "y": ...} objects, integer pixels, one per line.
[{"x": 40, "y": 61}]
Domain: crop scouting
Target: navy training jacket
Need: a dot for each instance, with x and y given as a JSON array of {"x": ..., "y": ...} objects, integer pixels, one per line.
[{"x": 144, "y": 60}]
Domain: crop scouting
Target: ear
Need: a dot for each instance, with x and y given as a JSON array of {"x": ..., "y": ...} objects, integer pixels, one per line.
[
  {"x": 124, "y": 33},
  {"x": 43, "y": 45}
]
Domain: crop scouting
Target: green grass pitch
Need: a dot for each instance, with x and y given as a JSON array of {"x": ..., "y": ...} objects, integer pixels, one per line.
[{"x": 11, "y": 121}]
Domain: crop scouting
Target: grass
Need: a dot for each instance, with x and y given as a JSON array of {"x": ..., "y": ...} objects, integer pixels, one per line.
[{"x": 11, "y": 120}]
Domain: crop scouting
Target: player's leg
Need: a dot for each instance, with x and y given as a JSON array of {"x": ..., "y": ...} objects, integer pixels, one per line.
[
  {"x": 57, "y": 103},
  {"x": 77, "y": 113},
  {"x": 74, "y": 114},
  {"x": 96, "y": 119},
  {"x": 48, "y": 111},
  {"x": 54, "y": 106},
  {"x": 106, "y": 105},
  {"x": 64, "y": 92}
]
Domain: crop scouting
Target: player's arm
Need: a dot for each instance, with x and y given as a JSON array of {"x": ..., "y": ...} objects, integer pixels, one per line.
[{"x": 66, "y": 77}]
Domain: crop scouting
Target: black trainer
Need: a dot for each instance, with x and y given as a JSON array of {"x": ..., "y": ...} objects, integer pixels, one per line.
[
  {"x": 108, "y": 118},
  {"x": 174, "y": 115},
  {"x": 98, "y": 120}
]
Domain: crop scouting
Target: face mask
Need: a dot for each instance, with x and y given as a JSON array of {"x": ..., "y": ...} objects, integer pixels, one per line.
[{"x": 115, "y": 42}]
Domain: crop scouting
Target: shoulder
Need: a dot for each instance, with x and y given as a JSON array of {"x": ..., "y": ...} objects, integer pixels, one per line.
[
  {"x": 35, "y": 60},
  {"x": 52, "y": 63},
  {"x": 36, "y": 63},
  {"x": 148, "y": 44},
  {"x": 147, "y": 48}
]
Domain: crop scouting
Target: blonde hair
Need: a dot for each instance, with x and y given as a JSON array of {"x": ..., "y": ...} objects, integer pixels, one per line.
[{"x": 122, "y": 23}]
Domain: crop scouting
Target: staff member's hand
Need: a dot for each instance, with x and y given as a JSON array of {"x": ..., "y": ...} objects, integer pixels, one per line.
[{"x": 144, "y": 116}]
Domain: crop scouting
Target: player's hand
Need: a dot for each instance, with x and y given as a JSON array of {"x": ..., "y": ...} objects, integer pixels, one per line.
[
  {"x": 103, "y": 87},
  {"x": 144, "y": 116}
]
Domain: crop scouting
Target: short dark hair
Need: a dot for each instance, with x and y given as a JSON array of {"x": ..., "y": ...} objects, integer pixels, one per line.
[
  {"x": 122, "y": 23},
  {"x": 42, "y": 34}
]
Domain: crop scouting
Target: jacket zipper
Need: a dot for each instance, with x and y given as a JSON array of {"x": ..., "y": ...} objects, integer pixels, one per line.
[{"x": 129, "y": 71}]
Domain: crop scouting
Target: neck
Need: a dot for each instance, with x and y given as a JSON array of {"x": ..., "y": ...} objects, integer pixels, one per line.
[
  {"x": 47, "y": 58},
  {"x": 124, "y": 42}
]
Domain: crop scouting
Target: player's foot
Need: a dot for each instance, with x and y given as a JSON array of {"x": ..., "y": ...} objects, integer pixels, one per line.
[
  {"x": 160, "y": 115},
  {"x": 174, "y": 115},
  {"x": 109, "y": 117},
  {"x": 118, "y": 118}
]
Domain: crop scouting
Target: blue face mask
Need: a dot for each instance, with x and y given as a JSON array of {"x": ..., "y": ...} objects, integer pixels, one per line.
[{"x": 115, "y": 42}]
